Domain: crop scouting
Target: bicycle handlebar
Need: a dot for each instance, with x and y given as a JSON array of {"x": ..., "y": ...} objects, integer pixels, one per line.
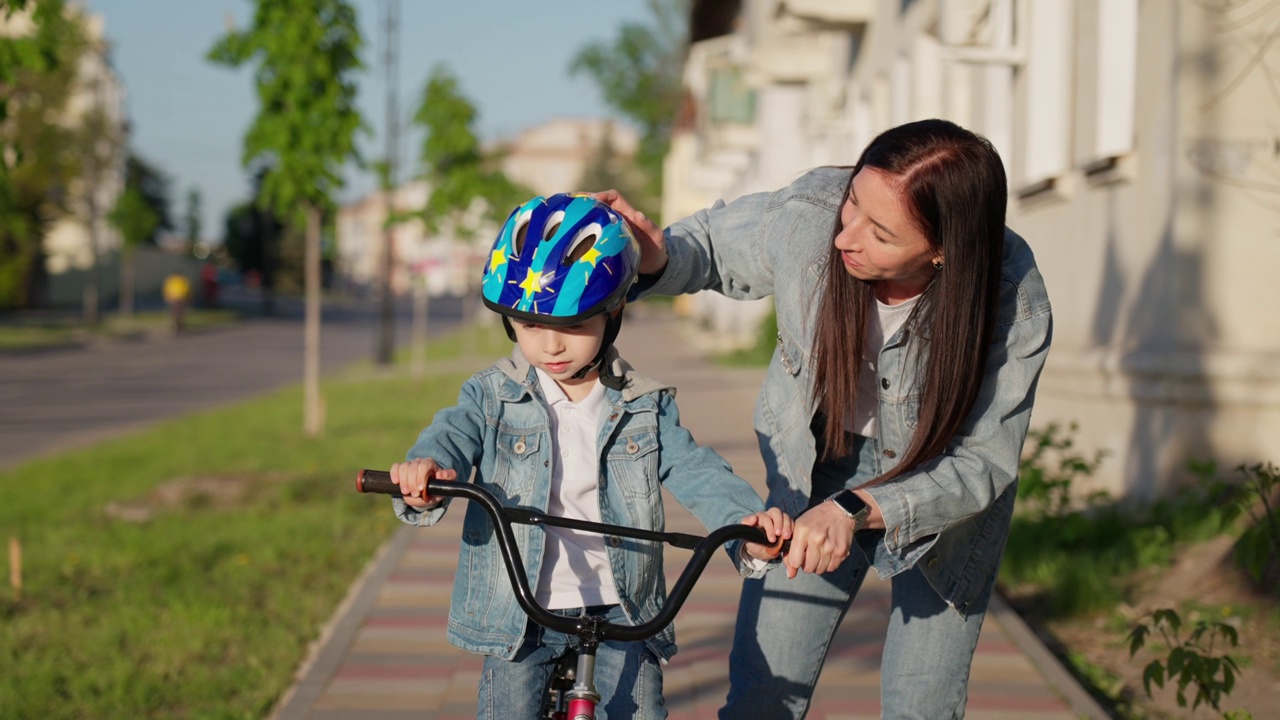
[{"x": 379, "y": 481}]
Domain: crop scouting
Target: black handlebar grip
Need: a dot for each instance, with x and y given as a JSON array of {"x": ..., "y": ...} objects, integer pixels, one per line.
[{"x": 376, "y": 481}]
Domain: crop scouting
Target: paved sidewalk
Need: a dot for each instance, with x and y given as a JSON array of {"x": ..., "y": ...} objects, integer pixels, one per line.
[{"x": 384, "y": 655}]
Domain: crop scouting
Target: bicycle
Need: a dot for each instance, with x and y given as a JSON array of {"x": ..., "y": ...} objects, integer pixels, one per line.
[{"x": 571, "y": 692}]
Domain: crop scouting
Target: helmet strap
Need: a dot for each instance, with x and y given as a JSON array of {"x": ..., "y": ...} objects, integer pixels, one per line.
[{"x": 613, "y": 325}]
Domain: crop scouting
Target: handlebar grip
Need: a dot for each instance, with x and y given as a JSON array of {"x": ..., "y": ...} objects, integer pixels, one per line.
[{"x": 376, "y": 481}]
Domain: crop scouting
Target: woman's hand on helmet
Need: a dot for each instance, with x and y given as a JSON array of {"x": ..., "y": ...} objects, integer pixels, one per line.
[{"x": 653, "y": 248}]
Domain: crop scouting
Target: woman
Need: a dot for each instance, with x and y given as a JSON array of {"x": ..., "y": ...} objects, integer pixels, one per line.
[{"x": 912, "y": 330}]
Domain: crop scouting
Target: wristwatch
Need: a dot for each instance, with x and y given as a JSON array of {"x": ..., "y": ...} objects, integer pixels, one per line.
[{"x": 852, "y": 505}]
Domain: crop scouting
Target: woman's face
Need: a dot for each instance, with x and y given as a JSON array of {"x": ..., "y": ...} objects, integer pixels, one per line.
[{"x": 880, "y": 242}]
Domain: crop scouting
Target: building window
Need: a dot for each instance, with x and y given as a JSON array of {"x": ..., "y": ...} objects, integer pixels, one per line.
[
  {"x": 1047, "y": 89},
  {"x": 1115, "y": 78}
]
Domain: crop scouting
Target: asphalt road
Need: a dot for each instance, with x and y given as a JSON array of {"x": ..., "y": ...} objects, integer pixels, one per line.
[{"x": 54, "y": 400}]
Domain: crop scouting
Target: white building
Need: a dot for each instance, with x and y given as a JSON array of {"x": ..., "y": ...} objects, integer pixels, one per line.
[{"x": 1140, "y": 143}]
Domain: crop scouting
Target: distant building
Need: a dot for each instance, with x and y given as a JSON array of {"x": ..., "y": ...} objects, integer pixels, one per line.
[
  {"x": 548, "y": 158},
  {"x": 1140, "y": 143},
  {"x": 552, "y": 157}
]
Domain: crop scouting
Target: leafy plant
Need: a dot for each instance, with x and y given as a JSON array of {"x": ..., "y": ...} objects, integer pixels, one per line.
[
  {"x": 1191, "y": 660},
  {"x": 1258, "y": 549},
  {"x": 1048, "y": 471}
]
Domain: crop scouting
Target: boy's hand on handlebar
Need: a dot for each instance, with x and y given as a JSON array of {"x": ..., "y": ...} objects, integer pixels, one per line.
[
  {"x": 777, "y": 527},
  {"x": 413, "y": 476}
]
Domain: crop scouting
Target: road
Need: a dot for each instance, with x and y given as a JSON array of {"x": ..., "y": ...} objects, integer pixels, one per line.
[{"x": 55, "y": 400}]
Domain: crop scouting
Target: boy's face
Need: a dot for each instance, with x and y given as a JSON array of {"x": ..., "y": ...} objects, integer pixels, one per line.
[{"x": 561, "y": 351}]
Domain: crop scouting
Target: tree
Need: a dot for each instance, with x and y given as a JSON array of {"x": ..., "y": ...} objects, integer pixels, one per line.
[
  {"x": 459, "y": 174},
  {"x": 137, "y": 221},
  {"x": 306, "y": 55},
  {"x": 639, "y": 74},
  {"x": 153, "y": 185},
  {"x": 607, "y": 169},
  {"x": 191, "y": 221},
  {"x": 37, "y": 76}
]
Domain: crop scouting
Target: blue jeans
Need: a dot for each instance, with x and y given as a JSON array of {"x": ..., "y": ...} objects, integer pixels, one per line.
[
  {"x": 785, "y": 627},
  {"x": 628, "y": 677}
]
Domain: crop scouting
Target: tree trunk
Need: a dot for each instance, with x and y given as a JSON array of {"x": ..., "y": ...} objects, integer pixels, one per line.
[
  {"x": 126, "y": 282},
  {"x": 418, "y": 333},
  {"x": 91, "y": 296},
  {"x": 313, "y": 403}
]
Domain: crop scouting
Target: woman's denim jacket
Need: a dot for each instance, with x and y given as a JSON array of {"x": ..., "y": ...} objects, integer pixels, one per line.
[
  {"x": 501, "y": 426},
  {"x": 950, "y": 516}
]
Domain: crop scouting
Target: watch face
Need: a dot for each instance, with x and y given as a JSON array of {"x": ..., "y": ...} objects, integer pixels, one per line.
[{"x": 850, "y": 503}]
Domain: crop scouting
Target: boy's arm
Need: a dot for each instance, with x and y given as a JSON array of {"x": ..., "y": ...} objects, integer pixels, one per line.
[
  {"x": 455, "y": 440},
  {"x": 702, "y": 481}
]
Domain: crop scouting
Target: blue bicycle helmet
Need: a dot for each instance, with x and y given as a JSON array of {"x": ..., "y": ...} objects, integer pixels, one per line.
[{"x": 560, "y": 261}]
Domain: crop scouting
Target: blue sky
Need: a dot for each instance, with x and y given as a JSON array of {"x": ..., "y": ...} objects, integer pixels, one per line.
[{"x": 189, "y": 117}]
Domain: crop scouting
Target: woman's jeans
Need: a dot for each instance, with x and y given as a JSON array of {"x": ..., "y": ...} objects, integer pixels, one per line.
[
  {"x": 628, "y": 677},
  {"x": 785, "y": 627}
]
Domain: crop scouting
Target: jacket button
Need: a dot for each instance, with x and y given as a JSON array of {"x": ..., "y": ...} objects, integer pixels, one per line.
[
  {"x": 613, "y": 416},
  {"x": 884, "y": 383},
  {"x": 615, "y": 541},
  {"x": 889, "y": 453},
  {"x": 519, "y": 447},
  {"x": 632, "y": 447},
  {"x": 933, "y": 561}
]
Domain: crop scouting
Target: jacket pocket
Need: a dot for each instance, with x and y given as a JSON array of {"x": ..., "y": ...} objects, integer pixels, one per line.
[
  {"x": 633, "y": 464},
  {"x": 519, "y": 461}
]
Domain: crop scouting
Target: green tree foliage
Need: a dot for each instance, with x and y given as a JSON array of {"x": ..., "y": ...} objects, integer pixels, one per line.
[
  {"x": 153, "y": 186},
  {"x": 457, "y": 170},
  {"x": 306, "y": 56},
  {"x": 137, "y": 221},
  {"x": 607, "y": 169},
  {"x": 37, "y": 76},
  {"x": 638, "y": 72},
  {"x": 134, "y": 217},
  {"x": 191, "y": 220}
]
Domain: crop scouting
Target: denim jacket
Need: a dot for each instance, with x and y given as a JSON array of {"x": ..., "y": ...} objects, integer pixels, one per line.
[
  {"x": 501, "y": 427},
  {"x": 950, "y": 516}
]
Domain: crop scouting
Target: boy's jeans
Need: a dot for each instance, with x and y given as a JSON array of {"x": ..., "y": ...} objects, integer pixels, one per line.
[
  {"x": 785, "y": 627},
  {"x": 628, "y": 677}
]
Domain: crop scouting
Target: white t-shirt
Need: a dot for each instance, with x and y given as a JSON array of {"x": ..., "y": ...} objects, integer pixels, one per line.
[
  {"x": 880, "y": 327},
  {"x": 575, "y": 568}
]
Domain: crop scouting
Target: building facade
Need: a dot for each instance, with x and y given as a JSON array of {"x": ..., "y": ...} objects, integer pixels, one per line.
[{"x": 1140, "y": 141}]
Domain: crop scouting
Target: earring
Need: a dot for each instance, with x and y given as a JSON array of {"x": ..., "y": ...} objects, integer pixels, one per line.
[{"x": 937, "y": 264}]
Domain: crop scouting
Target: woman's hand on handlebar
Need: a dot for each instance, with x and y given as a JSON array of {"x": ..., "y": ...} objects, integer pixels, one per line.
[
  {"x": 653, "y": 247},
  {"x": 776, "y": 525},
  {"x": 413, "y": 477}
]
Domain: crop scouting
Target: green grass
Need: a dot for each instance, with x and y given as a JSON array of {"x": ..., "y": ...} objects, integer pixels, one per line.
[
  {"x": 39, "y": 334},
  {"x": 243, "y": 538}
]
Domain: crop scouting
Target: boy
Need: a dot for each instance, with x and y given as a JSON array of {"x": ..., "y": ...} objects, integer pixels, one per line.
[{"x": 567, "y": 427}]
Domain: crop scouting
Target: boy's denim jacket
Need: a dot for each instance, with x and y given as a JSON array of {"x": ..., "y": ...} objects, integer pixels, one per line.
[
  {"x": 501, "y": 427},
  {"x": 950, "y": 516}
]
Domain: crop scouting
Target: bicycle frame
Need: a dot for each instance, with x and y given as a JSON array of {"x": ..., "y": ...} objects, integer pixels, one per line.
[{"x": 591, "y": 631}]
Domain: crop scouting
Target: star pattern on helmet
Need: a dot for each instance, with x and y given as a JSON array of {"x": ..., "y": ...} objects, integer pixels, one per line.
[
  {"x": 497, "y": 259},
  {"x": 532, "y": 283}
]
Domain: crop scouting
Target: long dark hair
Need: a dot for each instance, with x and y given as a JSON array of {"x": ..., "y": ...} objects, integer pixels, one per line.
[{"x": 954, "y": 184}]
